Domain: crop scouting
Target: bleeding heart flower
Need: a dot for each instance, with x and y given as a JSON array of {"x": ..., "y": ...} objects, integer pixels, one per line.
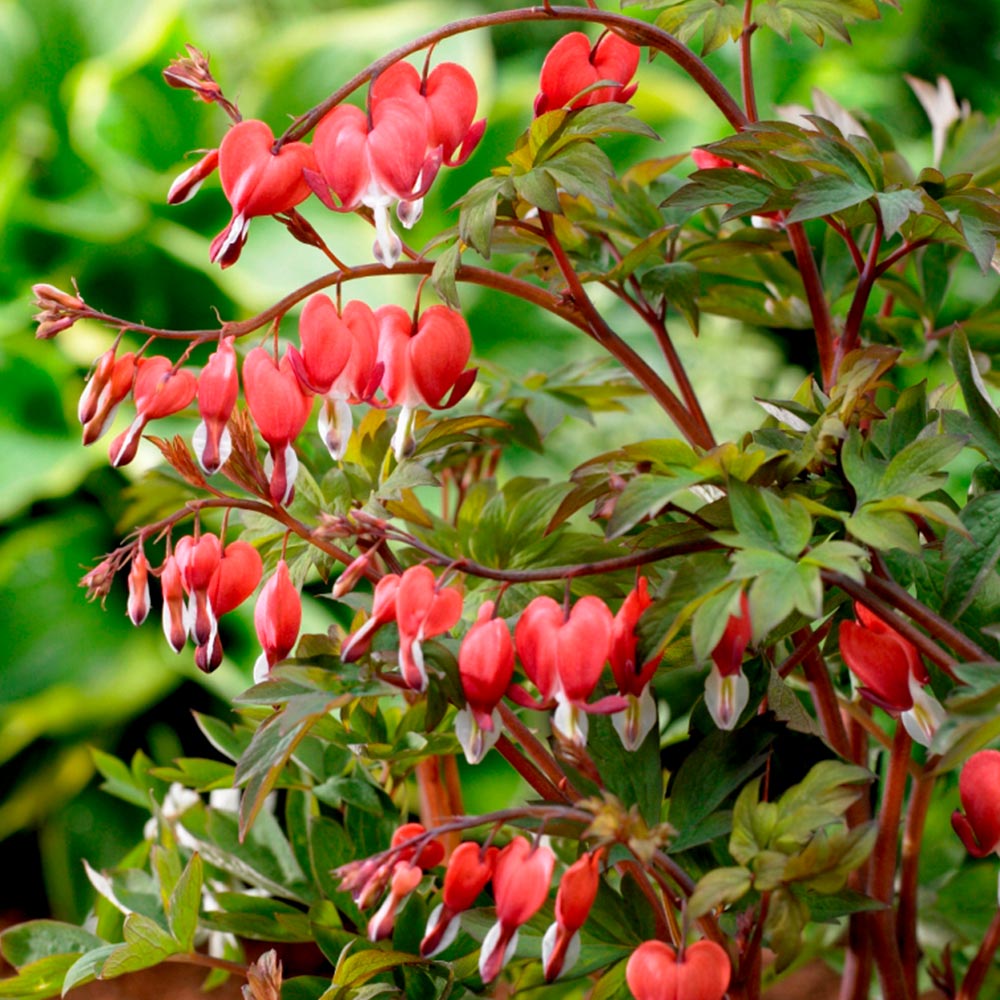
[
  {"x": 338, "y": 361},
  {"x": 891, "y": 672},
  {"x": 979, "y": 790},
  {"x": 563, "y": 657},
  {"x": 405, "y": 878},
  {"x": 447, "y": 100},
  {"x": 520, "y": 886},
  {"x": 633, "y": 677},
  {"x": 158, "y": 391},
  {"x": 423, "y": 362},
  {"x": 572, "y": 66},
  {"x": 373, "y": 163},
  {"x": 198, "y": 561},
  {"x": 727, "y": 690},
  {"x": 576, "y": 895},
  {"x": 485, "y": 668},
  {"x": 277, "y": 618},
  {"x": 654, "y": 972},
  {"x": 470, "y": 868},
  {"x": 175, "y": 624},
  {"x": 383, "y": 612},
  {"x": 280, "y": 408},
  {"x": 218, "y": 390},
  {"x": 257, "y": 181},
  {"x": 422, "y": 610}
]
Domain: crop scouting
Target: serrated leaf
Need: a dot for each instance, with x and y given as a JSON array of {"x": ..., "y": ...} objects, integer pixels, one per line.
[
  {"x": 896, "y": 207},
  {"x": 826, "y": 195},
  {"x": 678, "y": 284},
  {"x": 743, "y": 192},
  {"x": 644, "y": 495},
  {"x": 982, "y": 414}
]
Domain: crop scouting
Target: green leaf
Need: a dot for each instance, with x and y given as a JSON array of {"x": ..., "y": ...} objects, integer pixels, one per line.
[
  {"x": 443, "y": 274},
  {"x": 678, "y": 284},
  {"x": 826, "y": 195},
  {"x": 635, "y": 776},
  {"x": 720, "y": 764},
  {"x": 645, "y": 494},
  {"x": 743, "y": 192},
  {"x": 916, "y": 470},
  {"x": 982, "y": 414},
  {"x": 357, "y": 968},
  {"x": 720, "y": 887},
  {"x": 767, "y": 521},
  {"x": 479, "y": 212},
  {"x": 87, "y": 967},
  {"x": 184, "y": 904},
  {"x": 25, "y": 943},
  {"x": 146, "y": 944},
  {"x": 896, "y": 207},
  {"x": 38, "y": 979},
  {"x": 971, "y": 560}
]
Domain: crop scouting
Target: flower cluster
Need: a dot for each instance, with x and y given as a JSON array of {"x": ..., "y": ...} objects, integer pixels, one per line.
[{"x": 520, "y": 874}]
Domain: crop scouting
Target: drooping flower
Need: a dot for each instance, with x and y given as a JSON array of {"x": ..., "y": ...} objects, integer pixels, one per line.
[
  {"x": 138, "y": 588},
  {"x": 109, "y": 384},
  {"x": 576, "y": 895},
  {"x": 383, "y": 612},
  {"x": 257, "y": 181},
  {"x": 654, "y": 972},
  {"x": 159, "y": 390},
  {"x": 366, "y": 880},
  {"x": 573, "y": 65},
  {"x": 186, "y": 184},
  {"x": 197, "y": 560},
  {"x": 218, "y": 390},
  {"x": 470, "y": 868},
  {"x": 277, "y": 618},
  {"x": 405, "y": 878},
  {"x": 727, "y": 690},
  {"x": 891, "y": 673},
  {"x": 485, "y": 668},
  {"x": 175, "y": 624},
  {"x": 520, "y": 887},
  {"x": 373, "y": 163},
  {"x": 423, "y": 362},
  {"x": 633, "y": 677},
  {"x": 563, "y": 657},
  {"x": 447, "y": 100},
  {"x": 234, "y": 580},
  {"x": 338, "y": 361},
  {"x": 979, "y": 790},
  {"x": 423, "y": 610},
  {"x": 279, "y": 407}
]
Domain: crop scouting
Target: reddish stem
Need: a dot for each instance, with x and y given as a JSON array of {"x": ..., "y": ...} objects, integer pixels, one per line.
[
  {"x": 976, "y": 975},
  {"x": 746, "y": 65},
  {"x": 818, "y": 306},
  {"x": 538, "y": 753},
  {"x": 913, "y": 835},
  {"x": 862, "y": 293},
  {"x": 823, "y": 695},
  {"x": 637, "y": 31}
]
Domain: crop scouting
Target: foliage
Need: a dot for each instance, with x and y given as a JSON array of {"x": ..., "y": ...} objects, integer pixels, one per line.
[{"x": 823, "y": 544}]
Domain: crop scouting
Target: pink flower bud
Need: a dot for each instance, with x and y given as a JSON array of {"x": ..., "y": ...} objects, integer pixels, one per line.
[
  {"x": 469, "y": 870},
  {"x": 576, "y": 895},
  {"x": 279, "y": 407},
  {"x": 218, "y": 390},
  {"x": 422, "y": 610},
  {"x": 138, "y": 588},
  {"x": 277, "y": 618},
  {"x": 520, "y": 886}
]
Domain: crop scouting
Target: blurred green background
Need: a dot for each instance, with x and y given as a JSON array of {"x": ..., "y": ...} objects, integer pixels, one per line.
[{"x": 90, "y": 140}]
